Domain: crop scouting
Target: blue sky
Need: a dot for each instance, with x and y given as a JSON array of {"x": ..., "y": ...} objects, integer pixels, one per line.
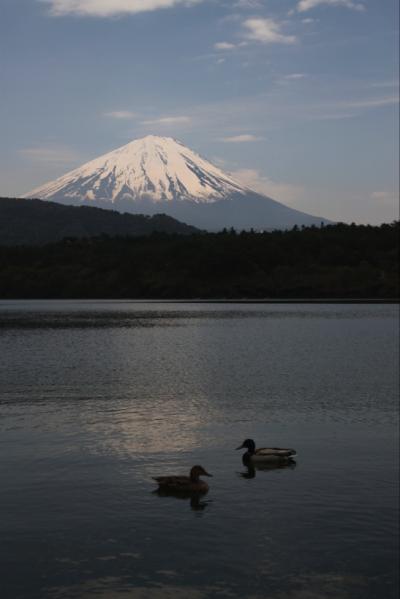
[{"x": 297, "y": 98}]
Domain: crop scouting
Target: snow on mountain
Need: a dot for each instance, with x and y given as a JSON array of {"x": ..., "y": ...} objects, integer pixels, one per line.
[
  {"x": 161, "y": 175},
  {"x": 158, "y": 168}
]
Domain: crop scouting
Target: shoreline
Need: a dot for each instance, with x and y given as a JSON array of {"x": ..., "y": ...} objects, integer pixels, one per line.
[{"x": 393, "y": 301}]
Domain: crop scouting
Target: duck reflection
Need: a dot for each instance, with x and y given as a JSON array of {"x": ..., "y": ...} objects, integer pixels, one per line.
[
  {"x": 251, "y": 468},
  {"x": 196, "y": 500}
]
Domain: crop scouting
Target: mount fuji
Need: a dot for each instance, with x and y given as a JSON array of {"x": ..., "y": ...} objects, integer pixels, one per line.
[{"x": 160, "y": 175}]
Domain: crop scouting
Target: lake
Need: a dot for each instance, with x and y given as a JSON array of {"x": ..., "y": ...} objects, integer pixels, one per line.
[{"x": 98, "y": 397}]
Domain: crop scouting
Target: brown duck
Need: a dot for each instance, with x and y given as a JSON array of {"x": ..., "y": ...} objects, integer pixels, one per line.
[{"x": 184, "y": 484}]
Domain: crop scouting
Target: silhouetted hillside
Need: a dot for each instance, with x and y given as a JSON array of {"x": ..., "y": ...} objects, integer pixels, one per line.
[
  {"x": 336, "y": 261},
  {"x": 36, "y": 222}
]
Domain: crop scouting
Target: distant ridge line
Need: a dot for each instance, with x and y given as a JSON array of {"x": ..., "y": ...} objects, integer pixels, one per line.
[{"x": 35, "y": 221}]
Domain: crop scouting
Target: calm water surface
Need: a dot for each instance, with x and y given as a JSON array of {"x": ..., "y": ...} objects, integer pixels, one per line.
[{"x": 98, "y": 397}]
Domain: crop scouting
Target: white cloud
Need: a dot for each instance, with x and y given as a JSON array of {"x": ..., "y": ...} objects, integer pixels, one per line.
[
  {"x": 235, "y": 139},
  {"x": 120, "y": 114},
  {"x": 248, "y": 4},
  {"x": 369, "y": 102},
  {"x": 169, "y": 120},
  {"x": 305, "y": 5},
  {"x": 343, "y": 109},
  {"x": 224, "y": 46},
  {"x": 266, "y": 31},
  {"x": 307, "y": 21},
  {"x": 284, "y": 192},
  {"x": 108, "y": 8},
  {"x": 294, "y": 76},
  {"x": 387, "y": 197},
  {"x": 50, "y": 154}
]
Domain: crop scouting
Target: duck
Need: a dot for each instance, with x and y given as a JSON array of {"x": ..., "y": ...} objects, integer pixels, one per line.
[
  {"x": 265, "y": 454},
  {"x": 184, "y": 484}
]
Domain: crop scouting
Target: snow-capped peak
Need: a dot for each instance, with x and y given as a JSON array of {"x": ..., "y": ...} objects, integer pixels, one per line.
[{"x": 154, "y": 168}]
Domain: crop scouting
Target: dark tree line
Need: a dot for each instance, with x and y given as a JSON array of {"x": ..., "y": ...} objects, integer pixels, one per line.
[{"x": 335, "y": 261}]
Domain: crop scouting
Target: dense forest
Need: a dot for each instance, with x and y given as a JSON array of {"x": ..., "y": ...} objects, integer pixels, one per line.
[
  {"x": 335, "y": 261},
  {"x": 36, "y": 222}
]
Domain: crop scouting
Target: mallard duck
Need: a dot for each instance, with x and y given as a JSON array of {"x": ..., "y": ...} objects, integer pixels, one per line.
[
  {"x": 184, "y": 484},
  {"x": 265, "y": 454}
]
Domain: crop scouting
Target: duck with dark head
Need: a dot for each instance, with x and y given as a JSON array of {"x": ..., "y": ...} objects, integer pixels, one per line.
[{"x": 265, "y": 454}]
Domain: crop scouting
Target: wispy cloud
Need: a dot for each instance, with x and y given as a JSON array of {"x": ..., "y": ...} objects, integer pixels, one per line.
[
  {"x": 344, "y": 109},
  {"x": 369, "y": 102},
  {"x": 224, "y": 46},
  {"x": 237, "y": 139},
  {"x": 385, "y": 196},
  {"x": 120, "y": 114},
  {"x": 294, "y": 76},
  {"x": 253, "y": 179},
  {"x": 278, "y": 107},
  {"x": 169, "y": 121},
  {"x": 382, "y": 84},
  {"x": 248, "y": 4},
  {"x": 50, "y": 154},
  {"x": 305, "y": 5},
  {"x": 266, "y": 31},
  {"x": 109, "y": 8}
]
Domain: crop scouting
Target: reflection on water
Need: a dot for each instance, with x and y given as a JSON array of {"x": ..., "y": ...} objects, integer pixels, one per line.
[
  {"x": 165, "y": 427},
  {"x": 251, "y": 469},
  {"x": 97, "y": 398},
  {"x": 195, "y": 500},
  {"x": 105, "y": 314}
]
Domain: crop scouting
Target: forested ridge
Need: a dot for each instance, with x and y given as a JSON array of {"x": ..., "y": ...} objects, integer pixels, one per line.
[
  {"x": 335, "y": 261},
  {"x": 36, "y": 222}
]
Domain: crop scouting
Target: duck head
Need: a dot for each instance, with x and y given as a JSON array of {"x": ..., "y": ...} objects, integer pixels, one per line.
[
  {"x": 249, "y": 445},
  {"x": 198, "y": 471}
]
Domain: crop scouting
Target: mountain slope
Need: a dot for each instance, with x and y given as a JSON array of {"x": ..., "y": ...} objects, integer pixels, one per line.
[
  {"x": 32, "y": 222},
  {"x": 159, "y": 174},
  {"x": 155, "y": 168}
]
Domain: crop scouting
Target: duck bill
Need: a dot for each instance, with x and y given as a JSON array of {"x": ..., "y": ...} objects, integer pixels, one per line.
[
  {"x": 240, "y": 447},
  {"x": 207, "y": 474}
]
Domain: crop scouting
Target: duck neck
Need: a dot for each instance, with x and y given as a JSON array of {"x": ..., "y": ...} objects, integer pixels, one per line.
[
  {"x": 194, "y": 477},
  {"x": 251, "y": 449}
]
